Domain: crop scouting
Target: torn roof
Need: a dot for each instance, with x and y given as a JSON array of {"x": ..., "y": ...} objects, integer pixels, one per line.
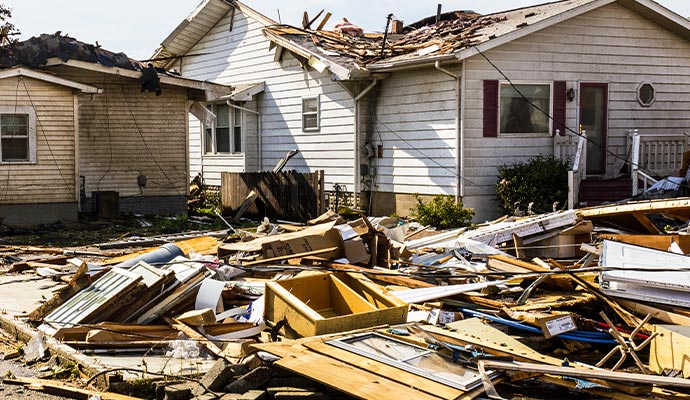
[
  {"x": 422, "y": 40},
  {"x": 36, "y": 51},
  {"x": 49, "y": 50},
  {"x": 455, "y": 36}
]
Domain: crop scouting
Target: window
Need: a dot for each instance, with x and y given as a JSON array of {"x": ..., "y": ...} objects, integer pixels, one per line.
[
  {"x": 646, "y": 94},
  {"x": 224, "y": 136},
  {"x": 517, "y": 115},
  {"x": 410, "y": 358},
  {"x": 17, "y": 135},
  {"x": 310, "y": 114}
]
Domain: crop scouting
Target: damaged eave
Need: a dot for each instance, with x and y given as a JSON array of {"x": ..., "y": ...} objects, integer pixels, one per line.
[
  {"x": 30, "y": 73},
  {"x": 340, "y": 72},
  {"x": 520, "y": 32},
  {"x": 410, "y": 63},
  {"x": 205, "y": 86}
]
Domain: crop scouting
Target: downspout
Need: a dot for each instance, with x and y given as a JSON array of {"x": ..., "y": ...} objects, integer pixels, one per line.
[
  {"x": 258, "y": 131},
  {"x": 357, "y": 132},
  {"x": 459, "y": 137}
]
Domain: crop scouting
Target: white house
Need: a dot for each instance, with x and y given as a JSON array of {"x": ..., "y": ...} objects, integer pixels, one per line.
[{"x": 440, "y": 108}]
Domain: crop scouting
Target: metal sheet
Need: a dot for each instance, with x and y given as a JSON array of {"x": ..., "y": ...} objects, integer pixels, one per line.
[{"x": 94, "y": 297}]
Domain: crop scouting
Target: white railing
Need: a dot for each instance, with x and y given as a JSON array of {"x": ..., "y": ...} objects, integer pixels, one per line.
[
  {"x": 572, "y": 148},
  {"x": 655, "y": 156}
]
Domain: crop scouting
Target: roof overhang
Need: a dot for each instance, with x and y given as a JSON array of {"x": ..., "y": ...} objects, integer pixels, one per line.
[
  {"x": 244, "y": 91},
  {"x": 316, "y": 61},
  {"x": 213, "y": 89},
  {"x": 197, "y": 25},
  {"x": 30, "y": 73},
  {"x": 646, "y": 8}
]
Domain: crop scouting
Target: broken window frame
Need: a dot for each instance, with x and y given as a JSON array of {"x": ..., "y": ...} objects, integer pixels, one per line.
[
  {"x": 545, "y": 130},
  {"x": 234, "y": 127},
  {"x": 306, "y": 113},
  {"x": 345, "y": 343},
  {"x": 29, "y": 137}
]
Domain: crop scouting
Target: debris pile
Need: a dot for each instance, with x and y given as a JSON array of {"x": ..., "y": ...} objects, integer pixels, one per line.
[{"x": 592, "y": 301}]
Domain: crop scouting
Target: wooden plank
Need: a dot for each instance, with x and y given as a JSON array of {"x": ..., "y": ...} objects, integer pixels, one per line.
[
  {"x": 62, "y": 389},
  {"x": 656, "y": 312},
  {"x": 509, "y": 264},
  {"x": 348, "y": 379},
  {"x": 403, "y": 377},
  {"x": 473, "y": 331},
  {"x": 604, "y": 374}
]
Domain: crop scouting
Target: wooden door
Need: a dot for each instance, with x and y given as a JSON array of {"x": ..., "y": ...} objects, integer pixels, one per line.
[{"x": 594, "y": 120}]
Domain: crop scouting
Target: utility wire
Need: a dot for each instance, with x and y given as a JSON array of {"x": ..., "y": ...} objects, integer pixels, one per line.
[{"x": 550, "y": 117}]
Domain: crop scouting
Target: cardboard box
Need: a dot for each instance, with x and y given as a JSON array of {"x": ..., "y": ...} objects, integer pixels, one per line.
[
  {"x": 329, "y": 303},
  {"x": 355, "y": 251}
]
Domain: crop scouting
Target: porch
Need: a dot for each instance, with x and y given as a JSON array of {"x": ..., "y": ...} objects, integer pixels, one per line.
[{"x": 647, "y": 159}]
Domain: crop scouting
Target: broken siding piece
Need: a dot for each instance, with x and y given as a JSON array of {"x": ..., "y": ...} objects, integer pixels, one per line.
[
  {"x": 641, "y": 273},
  {"x": 91, "y": 300}
]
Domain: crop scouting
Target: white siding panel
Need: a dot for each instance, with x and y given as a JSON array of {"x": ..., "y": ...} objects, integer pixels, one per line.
[
  {"x": 415, "y": 124},
  {"x": 610, "y": 45},
  {"x": 242, "y": 56}
]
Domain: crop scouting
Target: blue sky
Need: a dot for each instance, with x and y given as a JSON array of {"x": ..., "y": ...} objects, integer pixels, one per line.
[{"x": 138, "y": 27}]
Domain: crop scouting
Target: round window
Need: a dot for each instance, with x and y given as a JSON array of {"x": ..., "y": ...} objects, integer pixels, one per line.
[{"x": 645, "y": 94}]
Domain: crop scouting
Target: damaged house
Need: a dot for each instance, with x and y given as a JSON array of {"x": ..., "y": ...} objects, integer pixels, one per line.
[
  {"x": 79, "y": 131},
  {"x": 435, "y": 107}
]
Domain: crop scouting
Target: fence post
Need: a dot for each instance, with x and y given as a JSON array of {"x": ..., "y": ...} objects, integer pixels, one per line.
[{"x": 635, "y": 161}]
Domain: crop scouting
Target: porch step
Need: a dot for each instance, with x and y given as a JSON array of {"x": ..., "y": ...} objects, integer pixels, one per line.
[{"x": 597, "y": 191}]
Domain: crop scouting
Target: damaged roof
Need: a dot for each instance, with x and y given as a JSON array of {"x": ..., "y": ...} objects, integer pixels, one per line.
[
  {"x": 36, "y": 51},
  {"x": 457, "y": 35},
  {"x": 49, "y": 50}
]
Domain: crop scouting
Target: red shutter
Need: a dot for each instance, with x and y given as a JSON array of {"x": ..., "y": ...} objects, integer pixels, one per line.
[
  {"x": 490, "y": 108},
  {"x": 559, "y": 95}
]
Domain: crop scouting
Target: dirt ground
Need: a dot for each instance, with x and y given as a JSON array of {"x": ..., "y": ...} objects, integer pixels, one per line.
[{"x": 10, "y": 391}]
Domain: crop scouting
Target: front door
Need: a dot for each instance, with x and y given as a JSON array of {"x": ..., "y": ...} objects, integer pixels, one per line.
[{"x": 594, "y": 121}]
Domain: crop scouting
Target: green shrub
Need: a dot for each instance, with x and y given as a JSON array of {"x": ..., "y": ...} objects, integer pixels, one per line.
[
  {"x": 442, "y": 212},
  {"x": 542, "y": 180}
]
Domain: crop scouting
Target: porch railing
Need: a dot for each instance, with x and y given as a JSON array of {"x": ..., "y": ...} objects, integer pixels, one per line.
[
  {"x": 654, "y": 156},
  {"x": 572, "y": 148}
]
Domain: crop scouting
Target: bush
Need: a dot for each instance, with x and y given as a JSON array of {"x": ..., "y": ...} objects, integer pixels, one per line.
[
  {"x": 442, "y": 212},
  {"x": 542, "y": 180}
]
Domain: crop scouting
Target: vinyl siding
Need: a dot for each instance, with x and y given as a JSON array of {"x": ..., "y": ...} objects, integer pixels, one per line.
[
  {"x": 51, "y": 179},
  {"x": 125, "y": 133},
  {"x": 415, "y": 124},
  {"x": 243, "y": 56},
  {"x": 610, "y": 45}
]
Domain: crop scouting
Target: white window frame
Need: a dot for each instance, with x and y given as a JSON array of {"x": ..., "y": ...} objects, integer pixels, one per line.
[
  {"x": 466, "y": 384},
  {"x": 502, "y": 84},
  {"x": 27, "y": 110},
  {"x": 211, "y": 149},
  {"x": 317, "y": 113}
]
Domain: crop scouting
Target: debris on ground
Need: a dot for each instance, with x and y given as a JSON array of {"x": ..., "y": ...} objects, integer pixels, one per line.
[{"x": 591, "y": 301}]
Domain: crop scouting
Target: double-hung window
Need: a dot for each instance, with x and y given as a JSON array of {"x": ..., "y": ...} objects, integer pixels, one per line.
[
  {"x": 524, "y": 108},
  {"x": 17, "y": 135},
  {"x": 311, "y": 110},
  {"x": 224, "y": 136}
]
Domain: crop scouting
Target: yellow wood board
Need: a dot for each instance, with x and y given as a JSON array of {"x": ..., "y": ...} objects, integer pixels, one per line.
[
  {"x": 403, "y": 377},
  {"x": 349, "y": 379}
]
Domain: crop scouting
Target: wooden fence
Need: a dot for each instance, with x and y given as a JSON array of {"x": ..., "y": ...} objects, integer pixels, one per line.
[{"x": 288, "y": 195}]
